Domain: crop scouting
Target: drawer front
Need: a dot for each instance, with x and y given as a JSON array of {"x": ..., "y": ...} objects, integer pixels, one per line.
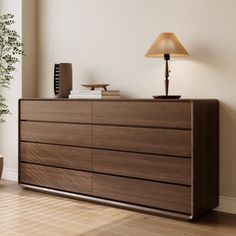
[
  {"x": 153, "y": 114},
  {"x": 60, "y": 111},
  {"x": 57, "y": 133},
  {"x": 157, "y": 195},
  {"x": 58, "y": 156},
  {"x": 153, "y": 167},
  {"x": 157, "y": 141},
  {"x": 57, "y": 178}
]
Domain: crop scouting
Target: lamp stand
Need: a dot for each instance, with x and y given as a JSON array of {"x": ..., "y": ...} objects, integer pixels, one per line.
[
  {"x": 167, "y": 72},
  {"x": 167, "y": 58}
]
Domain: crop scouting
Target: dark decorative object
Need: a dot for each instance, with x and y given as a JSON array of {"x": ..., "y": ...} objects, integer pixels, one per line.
[
  {"x": 166, "y": 45},
  {"x": 62, "y": 80},
  {"x": 167, "y": 96}
]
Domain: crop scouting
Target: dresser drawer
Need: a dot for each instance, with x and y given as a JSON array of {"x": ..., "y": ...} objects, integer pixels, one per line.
[
  {"x": 58, "y": 156},
  {"x": 156, "y": 141},
  {"x": 56, "y": 178},
  {"x": 60, "y": 111},
  {"x": 57, "y": 133},
  {"x": 153, "y": 167},
  {"x": 152, "y": 114},
  {"x": 152, "y": 194}
]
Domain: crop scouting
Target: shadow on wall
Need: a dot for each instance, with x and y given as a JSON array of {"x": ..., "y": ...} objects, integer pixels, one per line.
[
  {"x": 222, "y": 88},
  {"x": 227, "y": 149},
  {"x": 206, "y": 56},
  {"x": 96, "y": 77}
]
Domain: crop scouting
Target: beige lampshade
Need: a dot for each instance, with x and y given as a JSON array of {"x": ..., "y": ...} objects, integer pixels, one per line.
[{"x": 166, "y": 43}]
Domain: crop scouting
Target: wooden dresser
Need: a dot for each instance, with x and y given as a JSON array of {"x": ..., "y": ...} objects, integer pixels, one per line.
[{"x": 160, "y": 156}]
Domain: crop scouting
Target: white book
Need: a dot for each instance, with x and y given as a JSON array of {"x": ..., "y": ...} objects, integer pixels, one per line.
[
  {"x": 95, "y": 92},
  {"x": 85, "y": 96},
  {"x": 88, "y": 92}
]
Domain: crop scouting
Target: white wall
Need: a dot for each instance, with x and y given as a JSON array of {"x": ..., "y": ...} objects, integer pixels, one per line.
[
  {"x": 9, "y": 129},
  {"x": 106, "y": 41}
]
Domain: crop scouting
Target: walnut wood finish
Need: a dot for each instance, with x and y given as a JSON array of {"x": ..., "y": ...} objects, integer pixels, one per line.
[
  {"x": 157, "y": 141},
  {"x": 57, "y": 133},
  {"x": 153, "y": 167},
  {"x": 163, "y": 196},
  {"x": 205, "y": 166},
  {"x": 152, "y": 114},
  {"x": 141, "y": 151},
  {"x": 59, "y": 111},
  {"x": 58, "y": 156},
  {"x": 57, "y": 178}
]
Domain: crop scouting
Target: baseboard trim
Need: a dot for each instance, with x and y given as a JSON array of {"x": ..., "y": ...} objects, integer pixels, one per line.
[
  {"x": 227, "y": 204},
  {"x": 10, "y": 174}
]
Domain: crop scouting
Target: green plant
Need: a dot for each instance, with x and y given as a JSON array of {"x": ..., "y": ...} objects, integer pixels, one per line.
[{"x": 10, "y": 49}]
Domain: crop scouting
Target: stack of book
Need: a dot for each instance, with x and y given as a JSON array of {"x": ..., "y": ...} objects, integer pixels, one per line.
[{"x": 94, "y": 94}]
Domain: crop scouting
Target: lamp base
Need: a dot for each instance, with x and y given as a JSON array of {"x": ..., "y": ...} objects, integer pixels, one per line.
[{"x": 167, "y": 97}]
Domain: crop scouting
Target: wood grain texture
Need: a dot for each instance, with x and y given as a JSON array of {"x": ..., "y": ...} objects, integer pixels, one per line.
[
  {"x": 205, "y": 166},
  {"x": 57, "y": 178},
  {"x": 153, "y": 114},
  {"x": 157, "y": 141},
  {"x": 159, "y": 195},
  {"x": 57, "y": 133},
  {"x": 152, "y": 167},
  {"x": 58, "y": 156},
  {"x": 145, "y": 141},
  {"x": 33, "y": 213},
  {"x": 55, "y": 110}
]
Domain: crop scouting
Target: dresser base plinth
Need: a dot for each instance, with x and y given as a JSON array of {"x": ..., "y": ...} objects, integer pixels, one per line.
[{"x": 110, "y": 202}]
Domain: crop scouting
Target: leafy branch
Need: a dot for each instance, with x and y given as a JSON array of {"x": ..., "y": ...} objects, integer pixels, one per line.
[{"x": 10, "y": 49}]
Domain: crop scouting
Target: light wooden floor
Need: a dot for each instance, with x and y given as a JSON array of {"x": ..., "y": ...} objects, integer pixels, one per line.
[{"x": 24, "y": 212}]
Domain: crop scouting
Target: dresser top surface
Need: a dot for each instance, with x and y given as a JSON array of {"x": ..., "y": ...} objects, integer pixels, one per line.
[{"x": 117, "y": 100}]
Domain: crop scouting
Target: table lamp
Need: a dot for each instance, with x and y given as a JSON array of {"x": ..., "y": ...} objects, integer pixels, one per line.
[{"x": 166, "y": 45}]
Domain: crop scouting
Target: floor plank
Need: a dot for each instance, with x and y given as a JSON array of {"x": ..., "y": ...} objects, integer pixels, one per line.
[{"x": 25, "y": 212}]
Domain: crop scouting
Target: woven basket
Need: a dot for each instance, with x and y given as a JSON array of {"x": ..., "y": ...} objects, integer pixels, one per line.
[{"x": 1, "y": 165}]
